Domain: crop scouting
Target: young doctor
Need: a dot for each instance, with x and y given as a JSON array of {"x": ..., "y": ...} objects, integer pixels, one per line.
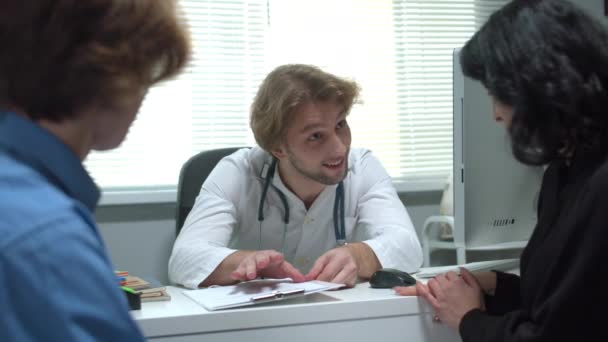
[{"x": 303, "y": 204}]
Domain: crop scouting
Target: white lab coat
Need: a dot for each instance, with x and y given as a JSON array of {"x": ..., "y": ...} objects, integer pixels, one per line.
[{"x": 224, "y": 218}]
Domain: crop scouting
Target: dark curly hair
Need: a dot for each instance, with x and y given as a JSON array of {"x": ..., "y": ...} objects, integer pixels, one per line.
[{"x": 548, "y": 59}]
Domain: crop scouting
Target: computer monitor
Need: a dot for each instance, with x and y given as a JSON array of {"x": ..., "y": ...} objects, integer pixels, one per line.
[{"x": 495, "y": 196}]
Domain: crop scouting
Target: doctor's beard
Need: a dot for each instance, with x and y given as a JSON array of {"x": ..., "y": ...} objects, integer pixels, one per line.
[{"x": 318, "y": 175}]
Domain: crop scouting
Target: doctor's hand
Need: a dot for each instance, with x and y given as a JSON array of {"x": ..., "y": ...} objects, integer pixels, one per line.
[
  {"x": 337, "y": 265},
  {"x": 267, "y": 263}
]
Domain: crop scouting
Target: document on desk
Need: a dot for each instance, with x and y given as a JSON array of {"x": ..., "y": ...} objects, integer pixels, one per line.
[{"x": 255, "y": 292}]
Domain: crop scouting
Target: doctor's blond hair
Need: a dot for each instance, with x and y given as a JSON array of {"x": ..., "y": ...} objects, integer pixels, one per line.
[{"x": 286, "y": 88}]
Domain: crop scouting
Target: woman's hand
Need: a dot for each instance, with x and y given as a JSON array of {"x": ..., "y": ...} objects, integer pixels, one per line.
[
  {"x": 451, "y": 295},
  {"x": 487, "y": 281}
]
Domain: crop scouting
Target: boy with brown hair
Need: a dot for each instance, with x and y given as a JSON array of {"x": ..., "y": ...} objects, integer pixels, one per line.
[{"x": 73, "y": 74}]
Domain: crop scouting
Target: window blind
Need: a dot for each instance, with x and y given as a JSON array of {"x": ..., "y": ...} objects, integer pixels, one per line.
[
  {"x": 206, "y": 107},
  {"x": 426, "y": 33},
  {"x": 399, "y": 51}
]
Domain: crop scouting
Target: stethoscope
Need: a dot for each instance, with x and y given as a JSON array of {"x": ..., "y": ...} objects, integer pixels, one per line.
[{"x": 339, "y": 224}]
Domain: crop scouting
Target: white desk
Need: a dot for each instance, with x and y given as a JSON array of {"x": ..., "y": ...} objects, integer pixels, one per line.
[{"x": 357, "y": 314}]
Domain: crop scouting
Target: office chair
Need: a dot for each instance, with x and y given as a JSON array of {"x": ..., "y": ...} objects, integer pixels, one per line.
[
  {"x": 191, "y": 178},
  {"x": 444, "y": 239},
  {"x": 430, "y": 242}
]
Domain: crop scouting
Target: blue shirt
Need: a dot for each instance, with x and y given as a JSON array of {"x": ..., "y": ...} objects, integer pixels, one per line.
[{"x": 56, "y": 281}]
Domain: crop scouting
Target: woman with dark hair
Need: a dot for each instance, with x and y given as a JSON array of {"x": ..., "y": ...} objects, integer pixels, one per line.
[{"x": 544, "y": 63}]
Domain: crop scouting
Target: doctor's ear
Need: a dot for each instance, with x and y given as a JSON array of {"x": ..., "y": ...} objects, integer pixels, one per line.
[{"x": 279, "y": 152}]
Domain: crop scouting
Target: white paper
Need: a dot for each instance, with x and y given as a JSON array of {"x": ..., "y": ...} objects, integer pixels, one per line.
[{"x": 242, "y": 294}]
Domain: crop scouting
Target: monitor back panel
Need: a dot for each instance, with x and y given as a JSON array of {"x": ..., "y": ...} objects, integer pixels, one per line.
[{"x": 495, "y": 196}]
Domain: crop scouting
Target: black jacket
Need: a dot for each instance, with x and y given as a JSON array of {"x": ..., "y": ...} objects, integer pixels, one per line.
[{"x": 562, "y": 294}]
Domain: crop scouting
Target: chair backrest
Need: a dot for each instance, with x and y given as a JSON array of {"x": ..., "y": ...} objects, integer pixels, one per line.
[{"x": 191, "y": 178}]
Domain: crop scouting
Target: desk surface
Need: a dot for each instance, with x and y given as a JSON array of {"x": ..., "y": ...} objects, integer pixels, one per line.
[{"x": 182, "y": 316}]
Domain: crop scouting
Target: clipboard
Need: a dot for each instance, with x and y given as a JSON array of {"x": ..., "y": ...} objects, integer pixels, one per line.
[{"x": 255, "y": 292}]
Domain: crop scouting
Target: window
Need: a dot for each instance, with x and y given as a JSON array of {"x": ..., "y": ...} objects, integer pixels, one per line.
[
  {"x": 206, "y": 107},
  {"x": 426, "y": 32},
  {"x": 398, "y": 51}
]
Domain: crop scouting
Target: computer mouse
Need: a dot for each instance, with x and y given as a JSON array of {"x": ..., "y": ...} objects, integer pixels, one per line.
[{"x": 390, "y": 277}]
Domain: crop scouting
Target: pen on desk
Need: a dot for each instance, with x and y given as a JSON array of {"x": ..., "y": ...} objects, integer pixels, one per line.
[
  {"x": 276, "y": 295},
  {"x": 128, "y": 289}
]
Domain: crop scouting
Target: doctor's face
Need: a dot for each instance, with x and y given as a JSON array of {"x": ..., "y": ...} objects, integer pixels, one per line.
[{"x": 317, "y": 142}]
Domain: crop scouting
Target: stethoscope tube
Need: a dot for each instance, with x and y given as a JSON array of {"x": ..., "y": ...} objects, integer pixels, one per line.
[
  {"x": 339, "y": 222},
  {"x": 339, "y": 216},
  {"x": 268, "y": 179}
]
